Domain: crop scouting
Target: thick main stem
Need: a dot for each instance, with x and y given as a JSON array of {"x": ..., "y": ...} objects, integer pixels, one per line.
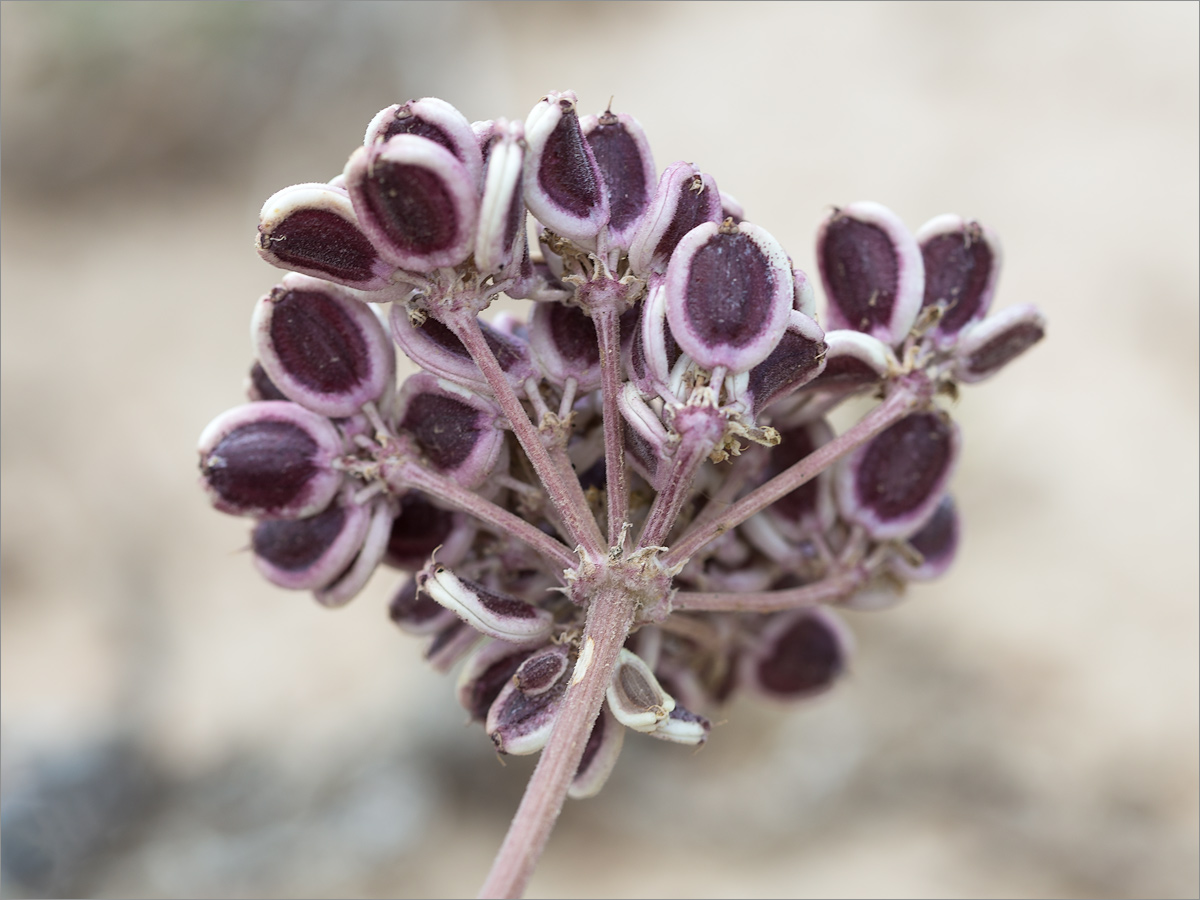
[
  {"x": 610, "y": 616},
  {"x": 904, "y": 399},
  {"x": 608, "y": 330},
  {"x": 566, "y": 494}
]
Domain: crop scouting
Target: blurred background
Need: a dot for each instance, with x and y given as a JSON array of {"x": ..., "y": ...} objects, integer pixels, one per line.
[{"x": 174, "y": 726}]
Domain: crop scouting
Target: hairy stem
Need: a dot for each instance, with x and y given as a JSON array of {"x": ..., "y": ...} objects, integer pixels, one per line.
[
  {"x": 698, "y": 437},
  {"x": 668, "y": 502},
  {"x": 608, "y": 328},
  {"x": 610, "y": 616},
  {"x": 904, "y": 399},
  {"x": 413, "y": 475},
  {"x": 746, "y": 468},
  {"x": 565, "y": 493},
  {"x": 828, "y": 590}
]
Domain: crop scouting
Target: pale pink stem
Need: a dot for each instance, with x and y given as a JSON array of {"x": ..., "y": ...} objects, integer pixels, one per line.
[
  {"x": 412, "y": 474},
  {"x": 691, "y": 453},
  {"x": 565, "y": 493},
  {"x": 745, "y": 468},
  {"x": 610, "y": 615},
  {"x": 905, "y": 398},
  {"x": 698, "y": 631},
  {"x": 608, "y": 328},
  {"x": 828, "y": 590},
  {"x": 557, "y": 448},
  {"x": 822, "y": 404},
  {"x": 559, "y": 456}
]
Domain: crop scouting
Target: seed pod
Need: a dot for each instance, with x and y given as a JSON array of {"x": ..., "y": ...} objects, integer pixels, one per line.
[
  {"x": 488, "y": 670},
  {"x": 502, "y": 210},
  {"x": 541, "y": 671},
  {"x": 420, "y": 528},
  {"x": 853, "y": 361},
  {"x": 485, "y": 134},
  {"x": 302, "y": 554},
  {"x": 633, "y": 353},
  {"x": 684, "y": 199},
  {"x": 497, "y": 615},
  {"x": 872, "y": 270},
  {"x": 892, "y": 485},
  {"x": 435, "y": 120},
  {"x": 635, "y": 696},
  {"x": 962, "y": 264},
  {"x": 936, "y": 542},
  {"x": 418, "y": 613},
  {"x": 520, "y": 269},
  {"x": 804, "y": 298},
  {"x": 599, "y": 756},
  {"x": 436, "y": 348},
  {"x": 986, "y": 347},
  {"x": 259, "y": 385},
  {"x": 563, "y": 186},
  {"x": 520, "y": 723},
  {"x": 543, "y": 286},
  {"x": 450, "y": 645},
  {"x": 797, "y": 359},
  {"x": 682, "y": 726},
  {"x": 271, "y": 459},
  {"x": 564, "y": 343},
  {"x": 646, "y": 440},
  {"x": 346, "y": 586},
  {"x": 781, "y": 530},
  {"x": 312, "y": 229},
  {"x": 416, "y": 201},
  {"x": 512, "y": 326},
  {"x": 626, "y": 164},
  {"x": 809, "y": 506},
  {"x": 321, "y": 346},
  {"x": 352, "y": 427},
  {"x": 654, "y": 350},
  {"x": 729, "y": 291},
  {"x": 457, "y": 431},
  {"x": 882, "y": 592},
  {"x": 731, "y": 208},
  {"x": 630, "y": 322},
  {"x": 800, "y": 653}
]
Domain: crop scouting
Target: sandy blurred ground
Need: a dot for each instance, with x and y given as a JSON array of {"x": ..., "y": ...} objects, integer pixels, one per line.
[{"x": 173, "y": 726}]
